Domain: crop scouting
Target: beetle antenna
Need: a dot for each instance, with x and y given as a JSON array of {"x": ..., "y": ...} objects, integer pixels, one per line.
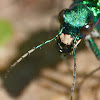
[
  {"x": 74, "y": 73},
  {"x": 30, "y": 51}
]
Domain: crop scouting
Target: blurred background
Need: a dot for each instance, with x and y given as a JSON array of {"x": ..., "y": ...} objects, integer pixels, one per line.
[{"x": 45, "y": 74}]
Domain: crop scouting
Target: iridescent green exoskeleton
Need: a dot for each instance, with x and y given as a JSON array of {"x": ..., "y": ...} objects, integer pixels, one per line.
[{"x": 80, "y": 21}]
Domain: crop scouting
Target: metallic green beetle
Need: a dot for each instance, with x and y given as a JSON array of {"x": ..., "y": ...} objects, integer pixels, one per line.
[{"x": 80, "y": 21}]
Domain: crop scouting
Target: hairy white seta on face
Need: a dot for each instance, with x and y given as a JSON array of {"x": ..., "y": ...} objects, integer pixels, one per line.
[{"x": 66, "y": 39}]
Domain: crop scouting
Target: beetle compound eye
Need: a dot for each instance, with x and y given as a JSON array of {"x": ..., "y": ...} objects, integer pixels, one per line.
[
  {"x": 85, "y": 30},
  {"x": 61, "y": 16}
]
